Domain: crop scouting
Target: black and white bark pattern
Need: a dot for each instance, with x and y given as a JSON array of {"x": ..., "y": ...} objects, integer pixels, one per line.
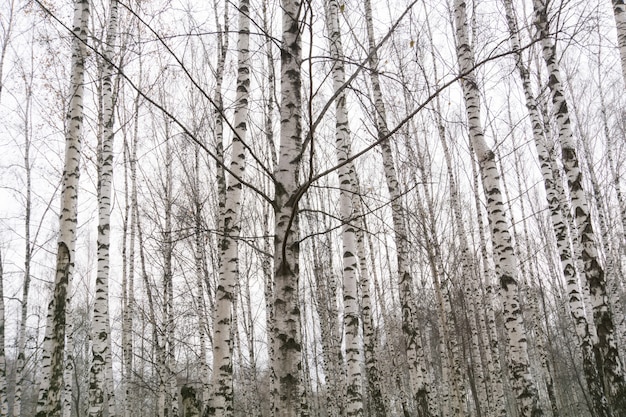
[
  {"x": 101, "y": 332},
  {"x": 506, "y": 267},
  {"x": 287, "y": 346},
  {"x": 222, "y": 379},
  {"x": 51, "y": 376},
  {"x": 418, "y": 380},
  {"x": 347, "y": 185},
  {"x": 607, "y": 355}
]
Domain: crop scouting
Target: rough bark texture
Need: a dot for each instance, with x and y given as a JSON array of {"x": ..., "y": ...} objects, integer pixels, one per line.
[
  {"x": 51, "y": 376},
  {"x": 287, "y": 390},
  {"x": 506, "y": 268}
]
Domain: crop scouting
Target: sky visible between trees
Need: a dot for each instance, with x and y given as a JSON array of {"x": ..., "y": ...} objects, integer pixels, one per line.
[{"x": 413, "y": 210}]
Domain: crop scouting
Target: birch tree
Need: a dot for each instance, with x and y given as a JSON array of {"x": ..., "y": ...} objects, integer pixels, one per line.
[
  {"x": 506, "y": 268},
  {"x": 347, "y": 184},
  {"x": 20, "y": 364},
  {"x": 415, "y": 356},
  {"x": 287, "y": 347},
  {"x": 607, "y": 355},
  {"x": 101, "y": 326},
  {"x": 51, "y": 377},
  {"x": 222, "y": 380}
]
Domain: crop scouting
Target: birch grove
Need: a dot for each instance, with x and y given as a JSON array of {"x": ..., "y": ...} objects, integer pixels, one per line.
[{"x": 312, "y": 208}]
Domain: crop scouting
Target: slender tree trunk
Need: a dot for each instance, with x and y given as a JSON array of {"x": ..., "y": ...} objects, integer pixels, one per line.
[
  {"x": 128, "y": 280},
  {"x": 266, "y": 262},
  {"x": 20, "y": 364},
  {"x": 347, "y": 184},
  {"x": 201, "y": 272},
  {"x": 69, "y": 370},
  {"x": 419, "y": 385},
  {"x": 101, "y": 334},
  {"x": 219, "y": 111},
  {"x": 506, "y": 268},
  {"x": 222, "y": 380},
  {"x": 288, "y": 391},
  {"x": 375, "y": 399},
  {"x": 326, "y": 289},
  {"x": 607, "y": 355},
  {"x": 51, "y": 377}
]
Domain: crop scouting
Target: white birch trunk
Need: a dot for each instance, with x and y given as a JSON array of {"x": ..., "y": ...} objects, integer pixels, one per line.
[
  {"x": 219, "y": 111},
  {"x": 68, "y": 371},
  {"x": 607, "y": 355},
  {"x": 128, "y": 280},
  {"x": 222, "y": 379},
  {"x": 21, "y": 343},
  {"x": 418, "y": 380},
  {"x": 51, "y": 377},
  {"x": 506, "y": 268},
  {"x": 326, "y": 288},
  {"x": 471, "y": 291},
  {"x": 101, "y": 333},
  {"x": 287, "y": 391},
  {"x": 488, "y": 319},
  {"x": 201, "y": 272},
  {"x": 266, "y": 262},
  {"x": 347, "y": 185},
  {"x": 375, "y": 399}
]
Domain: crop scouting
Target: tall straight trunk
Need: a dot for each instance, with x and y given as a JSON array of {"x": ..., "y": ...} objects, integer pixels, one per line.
[
  {"x": 326, "y": 289},
  {"x": 490, "y": 337},
  {"x": 506, "y": 268},
  {"x": 51, "y": 376},
  {"x": 128, "y": 280},
  {"x": 201, "y": 273},
  {"x": 445, "y": 314},
  {"x": 168, "y": 358},
  {"x": 101, "y": 333},
  {"x": 471, "y": 287},
  {"x": 266, "y": 262},
  {"x": 287, "y": 391},
  {"x": 559, "y": 225},
  {"x": 347, "y": 189},
  {"x": 28, "y": 252},
  {"x": 533, "y": 283},
  {"x": 619, "y": 12},
  {"x": 607, "y": 355},
  {"x": 375, "y": 400},
  {"x": 222, "y": 49},
  {"x": 418, "y": 380},
  {"x": 222, "y": 380}
]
